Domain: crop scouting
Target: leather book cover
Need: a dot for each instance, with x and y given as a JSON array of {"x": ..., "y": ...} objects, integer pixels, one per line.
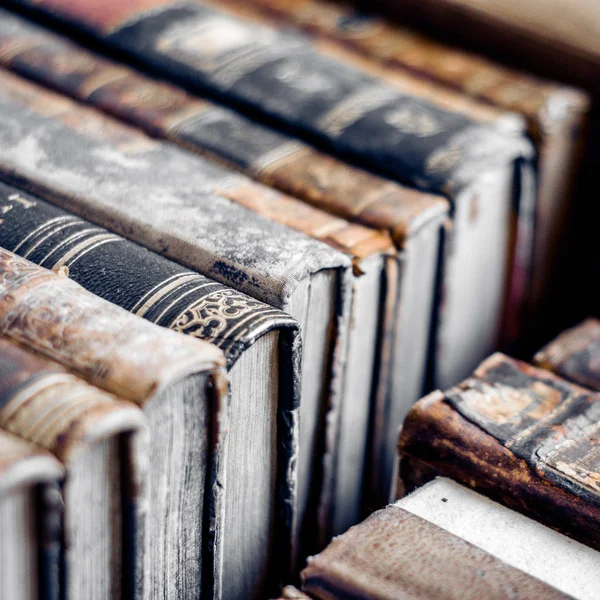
[
  {"x": 267, "y": 155},
  {"x": 23, "y": 464},
  {"x": 397, "y": 554},
  {"x": 53, "y": 409},
  {"x": 518, "y": 434},
  {"x": 556, "y": 115},
  {"x": 280, "y": 76},
  {"x": 575, "y": 354}
]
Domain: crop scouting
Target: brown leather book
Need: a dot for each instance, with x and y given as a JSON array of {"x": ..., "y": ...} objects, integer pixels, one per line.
[
  {"x": 557, "y": 38},
  {"x": 518, "y": 434},
  {"x": 30, "y": 520},
  {"x": 412, "y": 218},
  {"x": 102, "y": 443},
  {"x": 556, "y": 115},
  {"x": 412, "y": 550},
  {"x": 175, "y": 379},
  {"x": 575, "y": 354}
]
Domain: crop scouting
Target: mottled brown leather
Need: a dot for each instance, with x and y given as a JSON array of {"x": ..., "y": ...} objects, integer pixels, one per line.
[
  {"x": 42, "y": 403},
  {"x": 519, "y": 435},
  {"x": 575, "y": 354},
  {"x": 108, "y": 346},
  {"x": 319, "y": 179},
  {"x": 394, "y": 554}
]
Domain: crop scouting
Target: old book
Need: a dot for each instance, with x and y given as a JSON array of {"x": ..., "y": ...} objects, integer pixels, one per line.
[
  {"x": 516, "y": 433},
  {"x": 260, "y": 344},
  {"x": 30, "y": 520},
  {"x": 175, "y": 379},
  {"x": 443, "y": 542},
  {"x": 555, "y": 114},
  {"x": 414, "y": 220},
  {"x": 282, "y": 78},
  {"x": 575, "y": 354},
  {"x": 557, "y": 38},
  {"x": 101, "y": 442},
  {"x": 162, "y": 197}
]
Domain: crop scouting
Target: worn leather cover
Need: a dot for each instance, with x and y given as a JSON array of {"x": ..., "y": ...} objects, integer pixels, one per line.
[
  {"x": 575, "y": 354},
  {"x": 265, "y": 154},
  {"x": 555, "y": 114},
  {"x": 280, "y": 76},
  {"x": 23, "y": 464},
  {"x": 107, "y": 346},
  {"x": 139, "y": 280},
  {"x": 103, "y": 343},
  {"x": 518, "y": 434},
  {"x": 53, "y": 409},
  {"x": 396, "y": 554}
]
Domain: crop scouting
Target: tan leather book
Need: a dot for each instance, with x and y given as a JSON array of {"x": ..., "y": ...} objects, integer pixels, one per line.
[
  {"x": 30, "y": 520},
  {"x": 414, "y": 550},
  {"x": 575, "y": 354},
  {"x": 518, "y": 434},
  {"x": 175, "y": 379},
  {"x": 556, "y": 115},
  {"x": 102, "y": 442},
  {"x": 413, "y": 219},
  {"x": 557, "y": 38}
]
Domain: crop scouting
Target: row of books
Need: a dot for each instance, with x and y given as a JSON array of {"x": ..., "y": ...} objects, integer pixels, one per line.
[
  {"x": 526, "y": 440},
  {"x": 334, "y": 234}
]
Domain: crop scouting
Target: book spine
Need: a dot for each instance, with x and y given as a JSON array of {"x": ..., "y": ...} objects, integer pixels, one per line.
[
  {"x": 105, "y": 344},
  {"x": 208, "y": 129},
  {"x": 395, "y": 553},
  {"x": 281, "y": 77},
  {"x": 128, "y": 275}
]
